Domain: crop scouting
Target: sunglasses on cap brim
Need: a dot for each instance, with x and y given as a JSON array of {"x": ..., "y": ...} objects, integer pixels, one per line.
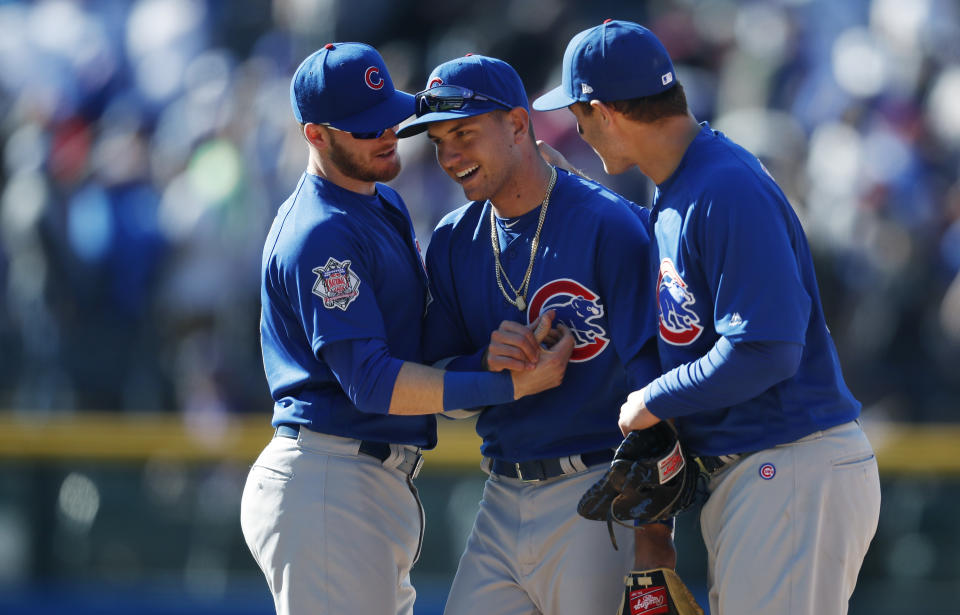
[{"x": 450, "y": 98}]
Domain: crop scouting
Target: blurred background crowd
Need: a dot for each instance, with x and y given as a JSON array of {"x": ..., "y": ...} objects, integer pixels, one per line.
[{"x": 146, "y": 145}]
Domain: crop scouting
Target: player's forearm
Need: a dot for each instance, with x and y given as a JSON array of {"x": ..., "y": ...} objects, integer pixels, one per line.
[
  {"x": 727, "y": 375},
  {"x": 417, "y": 390},
  {"x": 379, "y": 383},
  {"x": 654, "y": 546},
  {"x": 420, "y": 389}
]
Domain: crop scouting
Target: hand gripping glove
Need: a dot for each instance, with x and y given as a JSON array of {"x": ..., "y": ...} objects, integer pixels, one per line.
[
  {"x": 657, "y": 592},
  {"x": 650, "y": 479}
]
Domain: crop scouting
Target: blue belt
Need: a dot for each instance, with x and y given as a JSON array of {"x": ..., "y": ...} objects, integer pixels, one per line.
[
  {"x": 377, "y": 450},
  {"x": 543, "y": 469}
]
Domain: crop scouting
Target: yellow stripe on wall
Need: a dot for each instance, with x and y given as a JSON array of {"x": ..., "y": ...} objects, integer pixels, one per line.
[
  {"x": 98, "y": 436},
  {"x": 101, "y": 436}
]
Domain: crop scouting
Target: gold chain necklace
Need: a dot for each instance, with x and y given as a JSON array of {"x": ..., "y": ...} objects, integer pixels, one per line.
[{"x": 520, "y": 293}]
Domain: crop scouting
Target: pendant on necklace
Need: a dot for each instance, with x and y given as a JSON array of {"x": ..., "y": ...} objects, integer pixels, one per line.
[{"x": 521, "y": 304}]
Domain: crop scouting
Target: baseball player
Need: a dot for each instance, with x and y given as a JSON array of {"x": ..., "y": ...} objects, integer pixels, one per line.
[
  {"x": 532, "y": 239},
  {"x": 329, "y": 510},
  {"x": 751, "y": 375}
]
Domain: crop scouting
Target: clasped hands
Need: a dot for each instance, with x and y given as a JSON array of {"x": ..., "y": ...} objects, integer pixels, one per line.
[
  {"x": 525, "y": 349},
  {"x": 536, "y": 355}
]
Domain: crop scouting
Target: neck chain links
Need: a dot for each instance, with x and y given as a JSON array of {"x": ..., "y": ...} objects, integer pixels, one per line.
[{"x": 520, "y": 302}]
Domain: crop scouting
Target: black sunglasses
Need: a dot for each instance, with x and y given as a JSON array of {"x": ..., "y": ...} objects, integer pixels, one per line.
[
  {"x": 359, "y": 135},
  {"x": 450, "y": 98}
]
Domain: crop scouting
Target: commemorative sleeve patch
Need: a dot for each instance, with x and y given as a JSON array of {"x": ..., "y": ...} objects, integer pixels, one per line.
[{"x": 336, "y": 284}]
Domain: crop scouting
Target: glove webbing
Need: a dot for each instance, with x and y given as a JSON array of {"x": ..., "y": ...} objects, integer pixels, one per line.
[{"x": 611, "y": 519}]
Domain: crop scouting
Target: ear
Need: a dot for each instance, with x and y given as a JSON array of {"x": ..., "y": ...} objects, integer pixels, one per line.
[
  {"x": 316, "y": 135},
  {"x": 519, "y": 123},
  {"x": 605, "y": 112}
]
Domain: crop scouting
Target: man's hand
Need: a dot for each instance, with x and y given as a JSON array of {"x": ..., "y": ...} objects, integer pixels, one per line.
[
  {"x": 551, "y": 367},
  {"x": 517, "y": 347},
  {"x": 634, "y": 413},
  {"x": 552, "y": 156}
]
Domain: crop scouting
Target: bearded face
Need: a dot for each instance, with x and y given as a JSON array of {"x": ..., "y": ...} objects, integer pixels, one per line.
[{"x": 366, "y": 160}]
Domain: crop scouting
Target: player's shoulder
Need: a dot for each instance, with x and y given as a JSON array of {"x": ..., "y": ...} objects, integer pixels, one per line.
[
  {"x": 462, "y": 219},
  {"x": 455, "y": 233},
  {"x": 724, "y": 178},
  {"x": 731, "y": 167},
  {"x": 587, "y": 198},
  {"x": 391, "y": 195},
  {"x": 312, "y": 216}
]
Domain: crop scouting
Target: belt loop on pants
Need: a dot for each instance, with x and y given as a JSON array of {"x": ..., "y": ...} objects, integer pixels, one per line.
[
  {"x": 543, "y": 469},
  {"x": 407, "y": 459},
  {"x": 712, "y": 464}
]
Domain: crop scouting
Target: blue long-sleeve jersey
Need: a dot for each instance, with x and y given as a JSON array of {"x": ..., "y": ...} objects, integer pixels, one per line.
[{"x": 593, "y": 268}]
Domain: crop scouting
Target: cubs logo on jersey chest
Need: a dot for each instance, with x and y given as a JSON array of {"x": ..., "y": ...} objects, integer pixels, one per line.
[
  {"x": 578, "y": 308},
  {"x": 679, "y": 323}
]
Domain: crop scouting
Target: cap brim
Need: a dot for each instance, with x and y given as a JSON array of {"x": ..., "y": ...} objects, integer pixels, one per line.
[
  {"x": 420, "y": 124},
  {"x": 385, "y": 115},
  {"x": 554, "y": 99}
]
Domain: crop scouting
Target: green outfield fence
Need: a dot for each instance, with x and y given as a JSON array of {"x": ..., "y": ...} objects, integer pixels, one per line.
[{"x": 139, "y": 513}]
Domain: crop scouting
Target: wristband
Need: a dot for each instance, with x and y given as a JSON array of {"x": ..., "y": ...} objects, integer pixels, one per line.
[{"x": 465, "y": 390}]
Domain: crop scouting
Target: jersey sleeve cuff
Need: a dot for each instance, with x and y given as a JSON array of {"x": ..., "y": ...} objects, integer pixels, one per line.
[{"x": 471, "y": 390}]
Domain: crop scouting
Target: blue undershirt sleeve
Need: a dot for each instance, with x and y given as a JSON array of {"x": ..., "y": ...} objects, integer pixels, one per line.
[
  {"x": 467, "y": 363},
  {"x": 365, "y": 370},
  {"x": 470, "y": 390},
  {"x": 727, "y": 375}
]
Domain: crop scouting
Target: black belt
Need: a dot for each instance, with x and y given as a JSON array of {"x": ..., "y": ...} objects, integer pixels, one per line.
[
  {"x": 542, "y": 469},
  {"x": 378, "y": 450},
  {"x": 711, "y": 464}
]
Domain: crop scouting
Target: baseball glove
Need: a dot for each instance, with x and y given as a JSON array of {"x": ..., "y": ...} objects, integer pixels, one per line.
[
  {"x": 657, "y": 592},
  {"x": 650, "y": 479}
]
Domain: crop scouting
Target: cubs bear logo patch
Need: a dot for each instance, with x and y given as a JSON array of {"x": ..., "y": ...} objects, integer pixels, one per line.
[
  {"x": 336, "y": 284},
  {"x": 577, "y": 307},
  {"x": 679, "y": 323}
]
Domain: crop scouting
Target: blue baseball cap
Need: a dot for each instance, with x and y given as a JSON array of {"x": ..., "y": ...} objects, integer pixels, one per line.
[
  {"x": 464, "y": 87},
  {"x": 347, "y": 86},
  {"x": 616, "y": 60}
]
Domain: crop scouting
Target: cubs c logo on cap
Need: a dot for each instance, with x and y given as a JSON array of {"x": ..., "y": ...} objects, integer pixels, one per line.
[
  {"x": 679, "y": 323},
  {"x": 373, "y": 78},
  {"x": 578, "y": 308},
  {"x": 435, "y": 82}
]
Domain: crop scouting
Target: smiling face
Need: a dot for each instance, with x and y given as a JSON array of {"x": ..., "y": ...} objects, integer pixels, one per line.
[{"x": 479, "y": 152}]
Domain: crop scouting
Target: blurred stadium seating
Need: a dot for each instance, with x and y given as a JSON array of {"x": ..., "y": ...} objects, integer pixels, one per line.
[{"x": 146, "y": 144}]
